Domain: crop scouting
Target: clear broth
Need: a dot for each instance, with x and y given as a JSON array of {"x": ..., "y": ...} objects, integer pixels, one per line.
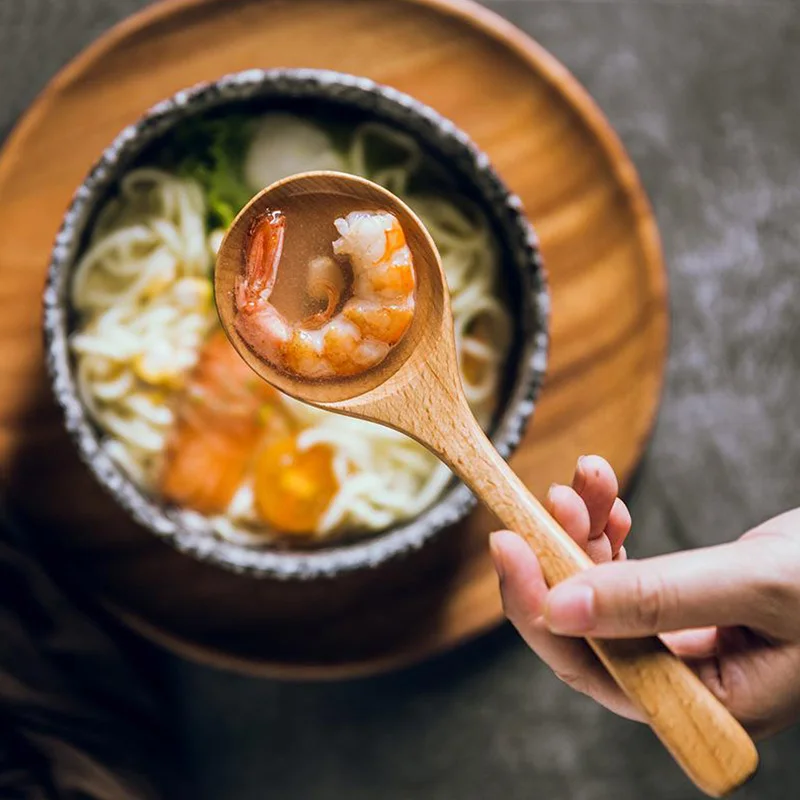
[{"x": 310, "y": 233}]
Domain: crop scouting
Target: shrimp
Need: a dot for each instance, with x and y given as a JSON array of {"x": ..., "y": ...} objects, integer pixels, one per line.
[
  {"x": 220, "y": 420},
  {"x": 331, "y": 343},
  {"x": 232, "y": 428}
]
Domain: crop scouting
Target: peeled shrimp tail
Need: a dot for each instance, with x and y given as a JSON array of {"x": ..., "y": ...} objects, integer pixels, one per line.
[
  {"x": 264, "y": 248},
  {"x": 325, "y": 282}
]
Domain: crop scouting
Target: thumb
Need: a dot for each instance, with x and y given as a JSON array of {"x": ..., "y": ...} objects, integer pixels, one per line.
[{"x": 733, "y": 584}]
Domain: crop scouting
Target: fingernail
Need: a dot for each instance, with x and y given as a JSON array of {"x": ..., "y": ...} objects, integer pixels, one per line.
[
  {"x": 497, "y": 555},
  {"x": 549, "y": 496},
  {"x": 570, "y": 609}
]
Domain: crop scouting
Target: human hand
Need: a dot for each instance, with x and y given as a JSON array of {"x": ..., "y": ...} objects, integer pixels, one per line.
[{"x": 731, "y": 611}]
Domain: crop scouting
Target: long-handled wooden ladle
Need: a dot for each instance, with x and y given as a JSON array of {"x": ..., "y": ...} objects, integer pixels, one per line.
[{"x": 417, "y": 390}]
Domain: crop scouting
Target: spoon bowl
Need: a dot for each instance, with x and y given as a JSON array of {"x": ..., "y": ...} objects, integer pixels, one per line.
[
  {"x": 417, "y": 390},
  {"x": 432, "y": 318}
]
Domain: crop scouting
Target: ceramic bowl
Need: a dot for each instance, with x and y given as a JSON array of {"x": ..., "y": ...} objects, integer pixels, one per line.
[{"x": 522, "y": 274}]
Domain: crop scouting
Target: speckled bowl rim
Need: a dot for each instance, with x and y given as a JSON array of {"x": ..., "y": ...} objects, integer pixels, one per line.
[{"x": 188, "y": 531}]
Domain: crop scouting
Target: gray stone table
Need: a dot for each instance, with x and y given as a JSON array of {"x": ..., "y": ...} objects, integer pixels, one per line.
[{"x": 704, "y": 95}]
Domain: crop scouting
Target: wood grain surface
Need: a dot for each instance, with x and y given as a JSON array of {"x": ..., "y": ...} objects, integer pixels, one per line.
[{"x": 609, "y": 323}]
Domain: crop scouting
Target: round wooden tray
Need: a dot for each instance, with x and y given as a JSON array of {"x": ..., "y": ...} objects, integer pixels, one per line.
[{"x": 609, "y": 323}]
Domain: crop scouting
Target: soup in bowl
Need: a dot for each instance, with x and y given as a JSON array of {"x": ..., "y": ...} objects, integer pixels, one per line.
[{"x": 163, "y": 410}]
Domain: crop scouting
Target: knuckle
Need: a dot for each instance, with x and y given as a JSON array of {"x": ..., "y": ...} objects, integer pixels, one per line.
[
  {"x": 650, "y": 603},
  {"x": 774, "y": 600},
  {"x": 776, "y": 592},
  {"x": 747, "y": 698},
  {"x": 599, "y": 550}
]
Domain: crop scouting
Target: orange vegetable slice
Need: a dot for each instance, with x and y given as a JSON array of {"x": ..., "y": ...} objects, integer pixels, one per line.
[{"x": 293, "y": 487}]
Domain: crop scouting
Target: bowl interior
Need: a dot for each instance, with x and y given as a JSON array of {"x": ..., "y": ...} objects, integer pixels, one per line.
[{"x": 340, "y": 102}]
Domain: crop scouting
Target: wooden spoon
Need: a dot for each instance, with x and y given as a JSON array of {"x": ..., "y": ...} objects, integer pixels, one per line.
[{"x": 417, "y": 390}]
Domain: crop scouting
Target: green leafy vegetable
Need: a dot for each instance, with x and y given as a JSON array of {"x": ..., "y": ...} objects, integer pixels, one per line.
[{"x": 212, "y": 150}]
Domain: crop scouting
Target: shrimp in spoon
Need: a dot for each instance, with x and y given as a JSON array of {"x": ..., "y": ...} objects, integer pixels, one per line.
[{"x": 331, "y": 343}]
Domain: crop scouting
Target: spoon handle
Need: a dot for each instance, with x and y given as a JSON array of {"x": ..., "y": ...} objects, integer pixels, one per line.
[{"x": 703, "y": 737}]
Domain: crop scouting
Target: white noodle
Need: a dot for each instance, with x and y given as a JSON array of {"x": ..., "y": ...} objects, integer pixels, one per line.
[{"x": 143, "y": 289}]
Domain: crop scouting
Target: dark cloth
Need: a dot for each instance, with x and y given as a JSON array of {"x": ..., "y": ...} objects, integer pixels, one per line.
[{"x": 76, "y": 720}]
